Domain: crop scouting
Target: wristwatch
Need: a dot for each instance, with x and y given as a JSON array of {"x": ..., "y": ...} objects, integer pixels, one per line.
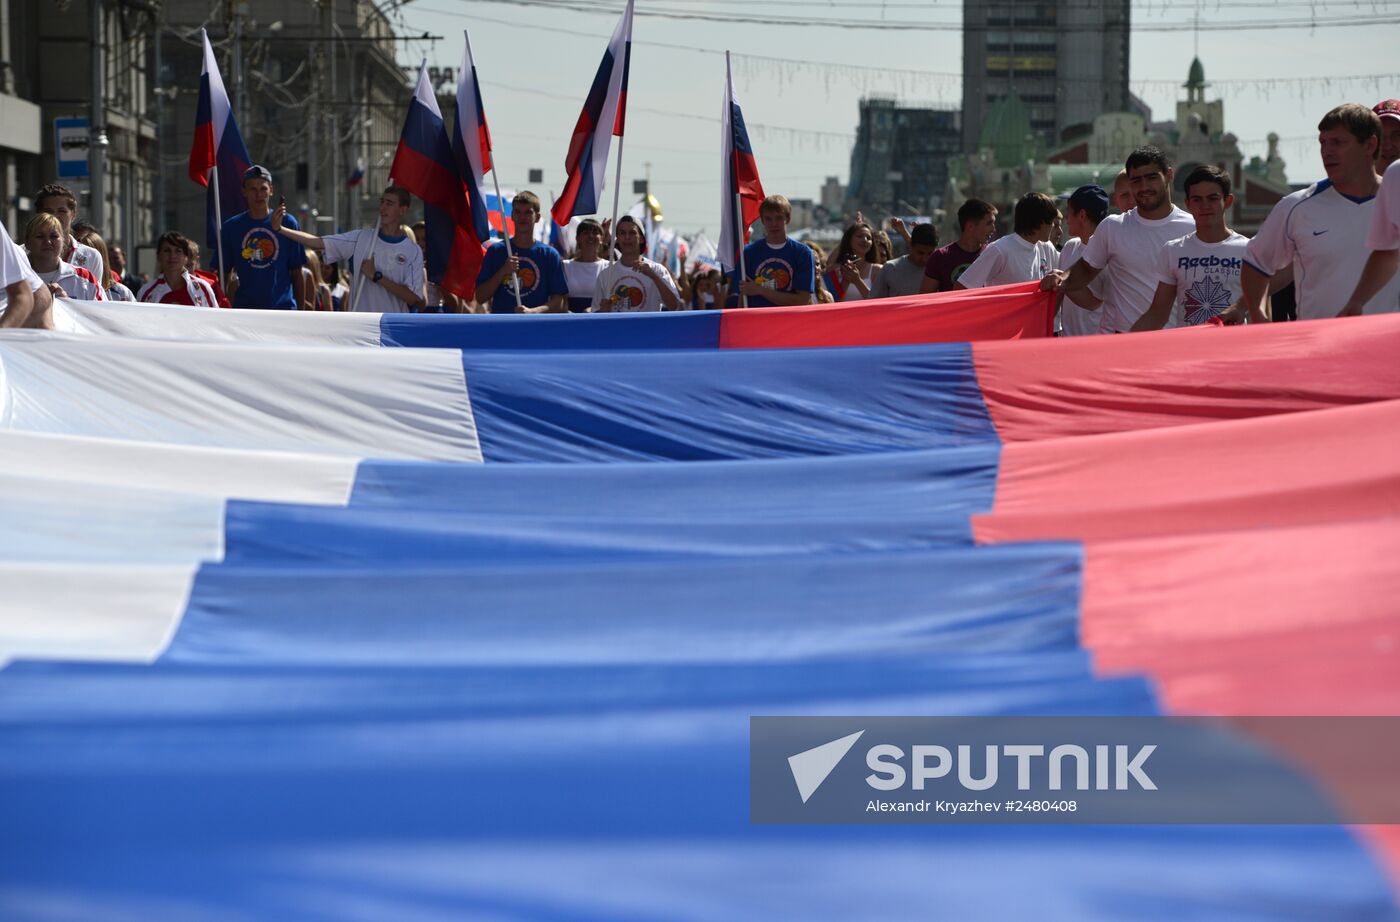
[{"x": 377, "y": 276}]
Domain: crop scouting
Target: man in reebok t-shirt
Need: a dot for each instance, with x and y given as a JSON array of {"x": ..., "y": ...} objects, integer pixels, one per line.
[
  {"x": 1321, "y": 230},
  {"x": 535, "y": 267},
  {"x": 1132, "y": 243},
  {"x": 779, "y": 271},
  {"x": 268, "y": 267},
  {"x": 1199, "y": 276},
  {"x": 386, "y": 265},
  {"x": 1025, "y": 255},
  {"x": 977, "y": 223}
]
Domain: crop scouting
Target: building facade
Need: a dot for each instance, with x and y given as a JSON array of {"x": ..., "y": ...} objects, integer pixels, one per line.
[
  {"x": 1066, "y": 60},
  {"x": 61, "y": 55},
  {"x": 317, "y": 91},
  {"x": 899, "y": 164}
]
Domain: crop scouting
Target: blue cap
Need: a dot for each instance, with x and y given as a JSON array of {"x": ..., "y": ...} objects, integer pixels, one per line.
[
  {"x": 257, "y": 172},
  {"x": 1091, "y": 199}
]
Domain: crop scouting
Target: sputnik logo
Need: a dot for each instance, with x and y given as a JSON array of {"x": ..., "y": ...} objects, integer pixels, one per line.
[{"x": 812, "y": 766}]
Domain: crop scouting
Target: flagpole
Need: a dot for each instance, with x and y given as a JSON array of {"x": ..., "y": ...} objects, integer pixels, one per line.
[
  {"x": 510, "y": 252},
  {"x": 734, "y": 184},
  {"x": 617, "y": 191},
  {"x": 219, "y": 225},
  {"x": 359, "y": 278},
  {"x": 739, "y": 242}
]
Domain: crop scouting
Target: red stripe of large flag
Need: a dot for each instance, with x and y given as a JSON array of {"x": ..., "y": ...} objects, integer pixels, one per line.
[
  {"x": 739, "y": 173},
  {"x": 425, "y": 166},
  {"x": 604, "y": 113},
  {"x": 217, "y": 142},
  {"x": 471, "y": 142}
]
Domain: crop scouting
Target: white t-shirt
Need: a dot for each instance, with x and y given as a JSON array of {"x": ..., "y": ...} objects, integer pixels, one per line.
[
  {"x": 80, "y": 286},
  {"x": 1075, "y": 320},
  {"x": 1010, "y": 259},
  {"x": 1206, "y": 276},
  {"x": 87, "y": 258},
  {"x": 582, "y": 277},
  {"x": 1323, "y": 234},
  {"x": 1133, "y": 245},
  {"x": 627, "y": 290},
  {"x": 14, "y": 264},
  {"x": 1385, "y": 219},
  {"x": 399, "y": 258}
]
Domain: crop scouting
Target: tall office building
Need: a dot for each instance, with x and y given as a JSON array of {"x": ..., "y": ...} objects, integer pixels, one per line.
[
  {"x": 899, "y": 163},
  {"x": 1067, "y": 61}
]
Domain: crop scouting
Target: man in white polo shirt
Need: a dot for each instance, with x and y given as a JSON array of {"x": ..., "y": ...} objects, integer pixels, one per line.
[
  {"x": 1321, "y": 230},
  {"x": 386, "y": 266},
  {"x": 1026, "y": 255},
  {"x": 1132, "y": 242},
  {"x": 1199, "y": 276}
]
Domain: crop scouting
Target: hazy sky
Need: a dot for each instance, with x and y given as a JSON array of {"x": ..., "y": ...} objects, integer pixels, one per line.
[{"x": 536, "y": 63}]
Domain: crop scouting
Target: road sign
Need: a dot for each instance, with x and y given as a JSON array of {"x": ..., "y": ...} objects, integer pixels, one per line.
[{"x": 71, "y": 139}]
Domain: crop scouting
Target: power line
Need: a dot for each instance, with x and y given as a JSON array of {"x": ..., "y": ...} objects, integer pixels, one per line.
[
  {"x": 1313, "y": 22},
  {"x": 1146, "y": 83}
]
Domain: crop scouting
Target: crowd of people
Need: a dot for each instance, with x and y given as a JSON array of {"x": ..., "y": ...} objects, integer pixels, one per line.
[{"x": 1120, "y": 261}]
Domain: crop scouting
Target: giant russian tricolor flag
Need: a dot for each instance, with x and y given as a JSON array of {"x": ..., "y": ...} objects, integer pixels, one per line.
[
  {"x": 218, "y": 146},
  {"x": 425, "y": 165},
  {"x": 742, "y": 189},
  {"x": 604, "y": 114},
  {"x": 471, "y": 633}
]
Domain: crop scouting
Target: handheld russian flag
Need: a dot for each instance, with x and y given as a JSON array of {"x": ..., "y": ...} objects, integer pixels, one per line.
[
  {"x": 604, "y": 112},
  {"x": 424, "y": 164},
  {"x": 743, "y": 191},
  {"x": 218, "y": 147},
  {"x": 471, "y": 142}
]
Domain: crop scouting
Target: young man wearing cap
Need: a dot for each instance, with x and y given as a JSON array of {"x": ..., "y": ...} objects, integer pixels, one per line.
[
  {"x": 1027, "y": 255},
  {"x": 268, "y": 267},
  {"x": 977, "y": 224},
  {"x": 389, "y": 263},
  {"x": 1199, "y": 275},
  {"x": 1389, "y": 113},
  {"x": 1079, "y": 310},
  {"x": 1321, "y": 231},
  {"x": 1132, "y": 243},
  {"x": 62, "y": 204}
]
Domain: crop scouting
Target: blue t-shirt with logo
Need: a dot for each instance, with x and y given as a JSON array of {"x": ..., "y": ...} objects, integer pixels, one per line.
[
  {"x": 264, "y": 261},
  {"x": 789, "y": 267},
  {"x": 541, "y": 276}
]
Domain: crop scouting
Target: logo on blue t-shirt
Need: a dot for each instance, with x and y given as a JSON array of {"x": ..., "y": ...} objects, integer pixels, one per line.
[
  {"x": 529, "y": 276},
  {"x": 260, "y": 247},
  {"x": 774, "y": 274}
]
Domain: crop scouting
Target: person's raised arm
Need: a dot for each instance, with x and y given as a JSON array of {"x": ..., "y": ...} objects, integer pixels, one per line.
[{"x": 310, "y": 241}]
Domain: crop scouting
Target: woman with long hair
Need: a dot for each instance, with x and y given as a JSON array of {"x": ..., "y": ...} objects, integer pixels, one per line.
[
  {"x": 851, "y": 271},
  {"x": 176, "y": 284},
  {"x": 111, "y": 285}
]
